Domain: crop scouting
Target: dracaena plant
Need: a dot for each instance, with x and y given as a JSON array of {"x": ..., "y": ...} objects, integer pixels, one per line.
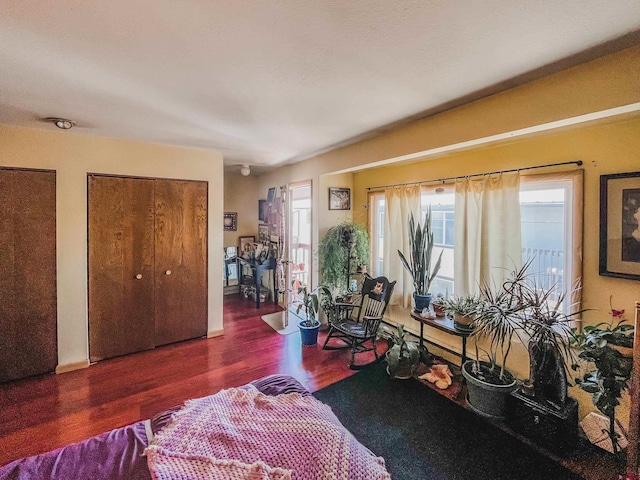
[{"x": 418, "y": 263}]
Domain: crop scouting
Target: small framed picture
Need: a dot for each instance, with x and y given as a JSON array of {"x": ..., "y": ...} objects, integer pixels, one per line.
[
  {"x": 230, "y": 221},
  {"x": 339, "y": 198},
  {"x": 263, "y": 233},
  {"x": 620, "y": 225},
  {"x": 262, "y": 210},
  {"x": 271, "y": 196},
  {"x": 246, "y": 245}
]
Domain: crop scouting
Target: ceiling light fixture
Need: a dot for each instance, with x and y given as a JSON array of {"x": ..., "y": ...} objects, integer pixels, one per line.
[
  {"x": 61, "y": 123},
  {"x": 245, "y": 170}
]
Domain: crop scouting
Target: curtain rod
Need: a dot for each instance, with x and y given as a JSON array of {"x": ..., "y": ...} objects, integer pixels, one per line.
[{"x": 574, "y": 162}]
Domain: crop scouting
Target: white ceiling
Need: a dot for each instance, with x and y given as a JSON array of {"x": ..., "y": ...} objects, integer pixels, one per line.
[{"x": 271, "y": 81}]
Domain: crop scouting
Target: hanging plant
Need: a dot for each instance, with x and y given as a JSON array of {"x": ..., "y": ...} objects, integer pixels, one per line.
[{"x": 341, "y": 251}]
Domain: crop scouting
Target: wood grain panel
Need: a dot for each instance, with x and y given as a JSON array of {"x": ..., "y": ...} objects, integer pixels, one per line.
[
  {"x": 180, "y": 260},
  {"x": 28, "y": 313},
  {"x": 121, "y": 307}
]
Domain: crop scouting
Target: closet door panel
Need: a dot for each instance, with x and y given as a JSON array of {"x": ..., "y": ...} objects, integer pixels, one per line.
[
  {"x": 181, "y": 260},
  {"x": 121, "y": 283},
  {"x": 28, "y": 310}
]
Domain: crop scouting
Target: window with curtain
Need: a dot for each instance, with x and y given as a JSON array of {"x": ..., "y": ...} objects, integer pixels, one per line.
[{"x": 551, "y": 231}]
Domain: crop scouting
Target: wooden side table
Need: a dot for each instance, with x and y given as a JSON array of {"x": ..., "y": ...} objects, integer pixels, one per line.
[{"x": 444, "y": 324}]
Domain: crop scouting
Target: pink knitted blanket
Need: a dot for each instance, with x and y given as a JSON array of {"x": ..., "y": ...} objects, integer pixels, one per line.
[{"x": 244, "y": 434}]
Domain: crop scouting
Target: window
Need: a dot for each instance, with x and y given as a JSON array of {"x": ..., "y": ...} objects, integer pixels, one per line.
[
  {"x": 550, "y": 225},
  {"x": 546, "y": 210}
]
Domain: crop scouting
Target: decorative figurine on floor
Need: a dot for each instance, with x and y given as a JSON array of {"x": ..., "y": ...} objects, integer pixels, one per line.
[{"x": 439, "y": 375}]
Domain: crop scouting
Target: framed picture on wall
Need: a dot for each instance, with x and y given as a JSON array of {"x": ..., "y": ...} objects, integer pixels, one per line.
[
  {"x": 339, "y": 198},
  {"x": 230, "y": 221},
  {"x": 620, "y": 225},
  {"x": 262, "y": 210},
  {"x": 271, "y": 196},
  {"x": 263, "y": 233}
]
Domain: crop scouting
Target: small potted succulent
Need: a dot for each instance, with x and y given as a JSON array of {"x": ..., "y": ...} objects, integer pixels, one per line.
[
  {"x": 463, "y": 310},
  {"x": 403, "y": 356},
  {"x": 438, "y": 304}
]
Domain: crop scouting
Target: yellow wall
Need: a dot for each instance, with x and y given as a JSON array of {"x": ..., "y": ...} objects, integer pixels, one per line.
[{"x": 73, "y": 156}]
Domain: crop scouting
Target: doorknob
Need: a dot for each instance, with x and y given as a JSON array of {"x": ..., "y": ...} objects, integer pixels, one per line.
[
  {"x": 168, "y": 272},
  {"x": 139, "y": 276}
]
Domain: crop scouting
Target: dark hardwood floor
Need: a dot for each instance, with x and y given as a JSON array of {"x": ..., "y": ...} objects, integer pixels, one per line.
[{"x": 49, "y": 411}]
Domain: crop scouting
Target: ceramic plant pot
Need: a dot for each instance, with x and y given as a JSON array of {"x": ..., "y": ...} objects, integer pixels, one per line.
[
  {"x": 309, "y": 335},
  {"x": 486, "y": 398},
  {"x": 464, "y": 323},
  {"x": 421, "y": 302}
]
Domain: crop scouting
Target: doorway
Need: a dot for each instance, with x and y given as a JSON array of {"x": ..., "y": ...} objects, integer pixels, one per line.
[{"x": 299, "y": 233}]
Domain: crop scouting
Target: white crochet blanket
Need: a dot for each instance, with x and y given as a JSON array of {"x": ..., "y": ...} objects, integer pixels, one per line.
[{"x": 244, "y": 434}]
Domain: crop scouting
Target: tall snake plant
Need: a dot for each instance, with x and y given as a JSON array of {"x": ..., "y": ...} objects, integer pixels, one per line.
[{"x": 419, "y": 263}]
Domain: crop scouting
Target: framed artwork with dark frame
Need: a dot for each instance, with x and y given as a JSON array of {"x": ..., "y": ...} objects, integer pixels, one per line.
[
  {"x": 230, "y": 221},
  {"x": 620, "y": 225},
  {"x": 339, "y": 198},
  {"x": 262, "y": 210},
  {"x": 246, "y": 245}
]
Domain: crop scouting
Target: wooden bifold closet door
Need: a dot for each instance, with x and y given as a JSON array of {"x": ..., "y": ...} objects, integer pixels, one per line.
[
  {"x": 28, "y": 304},
  {"x": 147, "y": 263}
]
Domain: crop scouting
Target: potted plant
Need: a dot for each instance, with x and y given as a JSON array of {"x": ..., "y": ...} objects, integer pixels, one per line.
[
  {"x": 438, "y": 304},
  {"x": 403, "y": 356},
  {"x": 343, "y": 250},
  {"x": 419, "y": 262},
  {"x": 605, "y": 347},
  {"x": 311, "y": 305},
  {"x": 463, "y": 310},
  {"x": 497, "y": 319},
  {"x": 520, "y": 308}
]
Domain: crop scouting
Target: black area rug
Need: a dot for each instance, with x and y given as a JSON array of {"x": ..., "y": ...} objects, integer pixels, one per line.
[{"x": 423, "y": 435}]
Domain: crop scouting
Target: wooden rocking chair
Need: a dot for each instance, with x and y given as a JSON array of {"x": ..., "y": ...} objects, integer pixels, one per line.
[{"x": 357, "y": 323}]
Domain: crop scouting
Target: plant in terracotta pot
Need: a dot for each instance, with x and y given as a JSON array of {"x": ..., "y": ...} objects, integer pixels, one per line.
[
  {"x": 403, "y": 356},
  {"x": 418, "y": 263},
  {"x": 607, "y": 347},
  {"x": 438, "y": 304}
]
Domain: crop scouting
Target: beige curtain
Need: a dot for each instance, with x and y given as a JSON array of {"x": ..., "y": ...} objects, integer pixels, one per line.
[
  {"x": 400, "y": 202},
  {"x": 487, "y": 231}
]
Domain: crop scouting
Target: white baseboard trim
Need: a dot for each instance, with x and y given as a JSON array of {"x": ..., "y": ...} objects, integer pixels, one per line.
[
  {"x": 70, "y": 367},
  {"x": 215, "y": 333}
]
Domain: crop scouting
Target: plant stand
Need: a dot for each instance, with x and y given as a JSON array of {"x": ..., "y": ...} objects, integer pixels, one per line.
[{"x": 555, "y": 429}]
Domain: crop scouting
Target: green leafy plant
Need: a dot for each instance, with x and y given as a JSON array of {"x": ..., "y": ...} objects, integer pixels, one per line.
[
  {"x": 421, "y": 248},
  {"x": 600, "y": 346},
  {"x": 465, "y": 305},
  {"x": 311, "y": 302},
  {"x": 342, "y": 249},
  {"x": 403, "y": 355},
  {"x": 519, "y": 307}
]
